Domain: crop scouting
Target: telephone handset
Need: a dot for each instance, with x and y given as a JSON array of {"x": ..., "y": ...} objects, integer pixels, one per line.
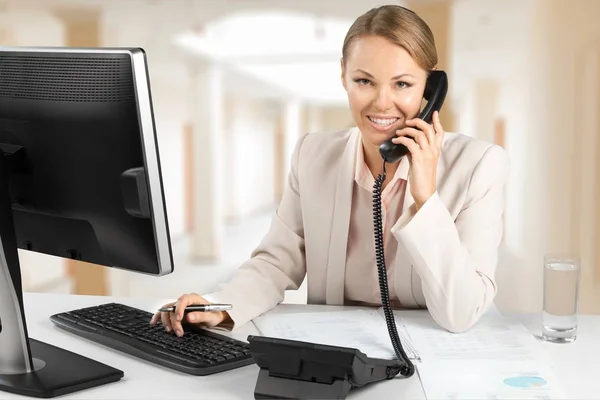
[
  {"x": 435, "y": 93},
  {"x": 436, "y": 89}
]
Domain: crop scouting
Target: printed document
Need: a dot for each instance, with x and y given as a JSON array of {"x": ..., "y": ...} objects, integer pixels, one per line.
[
  {"x": 360, "y": 329},
  {"x": 493, "y": 338},
  {"x": 463, "y": 380}
]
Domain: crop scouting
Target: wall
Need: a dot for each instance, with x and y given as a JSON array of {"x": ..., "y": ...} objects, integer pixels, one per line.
[
  {"x": 465, "y": 119},
  {"x": 586, "y": 195},
  {"x": 247, "y": 175},
  {"x": 170, "y": 112},
  {"x": 313, "y": 119},
  {"x": 336, "y": 118},
  {"x": 513, "y": 107},
  {"x": 552, "y": 140}
]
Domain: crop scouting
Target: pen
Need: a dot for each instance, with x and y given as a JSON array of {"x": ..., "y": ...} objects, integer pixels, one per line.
[{"x": 200, "y": 307}]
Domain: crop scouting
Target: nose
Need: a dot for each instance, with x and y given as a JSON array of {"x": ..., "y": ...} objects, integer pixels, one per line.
[{"x": 384, "y": 99}]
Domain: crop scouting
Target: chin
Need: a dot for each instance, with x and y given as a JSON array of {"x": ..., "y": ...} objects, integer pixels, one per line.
[
  {"x": 377, "y": 137},
  {"x": 373, "y": 140}
]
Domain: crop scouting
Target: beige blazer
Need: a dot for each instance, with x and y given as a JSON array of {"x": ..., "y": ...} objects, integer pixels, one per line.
[{"x": 447, "y": 252}]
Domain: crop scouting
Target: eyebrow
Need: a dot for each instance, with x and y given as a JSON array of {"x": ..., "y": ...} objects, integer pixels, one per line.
[{"x": 395, "y": 77}]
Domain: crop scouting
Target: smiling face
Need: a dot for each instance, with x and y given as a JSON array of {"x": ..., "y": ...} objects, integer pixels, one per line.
[{"x": 385, "y": 87}]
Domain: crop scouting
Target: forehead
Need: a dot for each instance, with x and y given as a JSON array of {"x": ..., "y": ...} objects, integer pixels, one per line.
[{"x": 380, "y": 54}]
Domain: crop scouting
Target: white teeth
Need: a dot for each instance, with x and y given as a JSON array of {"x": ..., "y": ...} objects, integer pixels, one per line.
[{"x": 383, "y": 122}]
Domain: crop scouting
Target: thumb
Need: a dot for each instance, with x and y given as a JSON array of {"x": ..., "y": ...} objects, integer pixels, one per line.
[
  {"x": 196, "y": 317},
  {"x": 209, "y": 319}
]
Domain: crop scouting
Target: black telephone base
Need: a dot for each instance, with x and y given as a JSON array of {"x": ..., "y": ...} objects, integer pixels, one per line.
[
  {"x": 273, "y": 387},
  {"x": 292, "y": 369}
]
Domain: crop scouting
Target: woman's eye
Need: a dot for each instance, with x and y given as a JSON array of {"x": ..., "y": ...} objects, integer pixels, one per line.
[{"x": 362, "y": 81}]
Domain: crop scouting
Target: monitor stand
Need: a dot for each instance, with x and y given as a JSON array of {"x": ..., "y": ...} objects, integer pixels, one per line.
[{"x": 27, "y": 366}]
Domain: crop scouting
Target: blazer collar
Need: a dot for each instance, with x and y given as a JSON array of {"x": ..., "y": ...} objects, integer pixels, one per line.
[{"x": 336, "y": 265}]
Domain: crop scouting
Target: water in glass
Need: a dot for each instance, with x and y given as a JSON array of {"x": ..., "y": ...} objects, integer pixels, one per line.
[{"x": 561, "y": 293}]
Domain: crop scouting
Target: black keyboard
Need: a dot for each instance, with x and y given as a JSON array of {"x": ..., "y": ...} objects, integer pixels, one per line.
[{"x": 128, "y": 329}]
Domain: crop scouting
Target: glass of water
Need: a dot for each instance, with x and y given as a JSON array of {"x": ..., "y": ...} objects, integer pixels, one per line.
[{"x": 561, "y": 297}]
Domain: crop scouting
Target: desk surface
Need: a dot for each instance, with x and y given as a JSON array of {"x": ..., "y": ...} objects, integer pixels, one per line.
[{"x": 576, "y": 364}]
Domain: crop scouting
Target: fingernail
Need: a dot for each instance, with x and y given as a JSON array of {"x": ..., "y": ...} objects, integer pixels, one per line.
[
  {"x": 192, "y": 317},
  {"x": 179, "y": 333},
  {"x": 179, "y": 317},
  {"x": 168, "y": 329}
]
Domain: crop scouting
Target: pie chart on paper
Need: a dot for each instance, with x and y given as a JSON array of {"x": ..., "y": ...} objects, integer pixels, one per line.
[{"x": 525, "y": 382}]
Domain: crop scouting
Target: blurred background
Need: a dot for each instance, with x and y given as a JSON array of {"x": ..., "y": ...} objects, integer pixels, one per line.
[{"x": 235, "y": 82}]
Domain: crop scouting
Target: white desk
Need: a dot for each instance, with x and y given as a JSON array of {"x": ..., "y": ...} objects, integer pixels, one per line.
[{"x": 577, "y": 364}]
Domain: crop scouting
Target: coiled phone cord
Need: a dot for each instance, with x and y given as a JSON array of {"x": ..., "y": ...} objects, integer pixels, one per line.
[{"x": 407, "y": 369}]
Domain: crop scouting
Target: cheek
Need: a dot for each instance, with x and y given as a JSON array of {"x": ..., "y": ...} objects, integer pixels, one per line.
[
  {"x": 358, "y": 99},
  {"x": 409, "y": 103}
]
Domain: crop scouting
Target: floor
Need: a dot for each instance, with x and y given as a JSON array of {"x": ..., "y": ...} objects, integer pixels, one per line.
[{"x": 240, "y": 238}]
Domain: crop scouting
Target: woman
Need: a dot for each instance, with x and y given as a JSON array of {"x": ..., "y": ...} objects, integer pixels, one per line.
[{"x": 442, "y": 204}]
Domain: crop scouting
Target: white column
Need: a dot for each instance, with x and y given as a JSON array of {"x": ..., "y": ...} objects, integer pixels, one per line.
[
  {"x": 207, "y": 126},
  {"x": 479, "y": 110}
]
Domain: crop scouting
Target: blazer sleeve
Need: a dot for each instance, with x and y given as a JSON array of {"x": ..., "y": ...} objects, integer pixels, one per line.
[
  {"x": 456, "y": 259},
  {"x": 276, "y": 264}
]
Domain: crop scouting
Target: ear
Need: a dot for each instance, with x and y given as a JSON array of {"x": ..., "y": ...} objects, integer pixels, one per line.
[{"x": 343, "y": 69}]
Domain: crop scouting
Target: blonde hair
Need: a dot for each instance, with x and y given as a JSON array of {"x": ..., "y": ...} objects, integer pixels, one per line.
[{"x": 400, "y": 26}]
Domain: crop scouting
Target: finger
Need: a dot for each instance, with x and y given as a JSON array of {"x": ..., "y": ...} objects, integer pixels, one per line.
[
  {"x": 423, "y": 126},
  {"x": 166, "y": 321},
  {"x": 417, "y": 135},
  {"x": 162, "y": 317},
  {"x": 197, "y": 317},
  {"x": 430, "y": 135},
  {"x": 410, "y": 144},
  {"x": 439, "y": 129},
  {"x": 175, "y": 325},
  {"x": 188, "y": 299},
  {"x": 177, "y": 316}
]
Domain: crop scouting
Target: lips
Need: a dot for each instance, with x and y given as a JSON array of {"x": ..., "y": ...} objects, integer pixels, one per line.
[{"x": 383, "y": 124}]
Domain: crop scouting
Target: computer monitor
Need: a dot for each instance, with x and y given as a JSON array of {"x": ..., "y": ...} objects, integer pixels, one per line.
[{"x": 80, "y": 178}]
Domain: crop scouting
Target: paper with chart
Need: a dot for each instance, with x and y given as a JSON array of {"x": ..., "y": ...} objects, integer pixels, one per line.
[
  {"x": 463, "y": 380},
  {"x": 493, "y": 337},
  {"x": 358, "y": 329}
]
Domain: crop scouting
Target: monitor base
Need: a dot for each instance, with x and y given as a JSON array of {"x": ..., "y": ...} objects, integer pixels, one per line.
[{"x": 57, "y": 372}]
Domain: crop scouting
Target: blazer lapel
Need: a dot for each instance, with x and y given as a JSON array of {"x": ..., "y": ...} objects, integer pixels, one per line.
[
  {"x": 403, "y": 274},
  {"x": 403, "y": 173},
  {"x": 336, "y": 266}
]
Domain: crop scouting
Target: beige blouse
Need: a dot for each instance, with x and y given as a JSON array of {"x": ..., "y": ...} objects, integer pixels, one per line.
[{"x": 361, "y": 280}]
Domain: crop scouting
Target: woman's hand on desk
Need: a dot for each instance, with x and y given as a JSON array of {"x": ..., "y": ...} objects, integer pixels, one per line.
[{"x": 172, "y": 320}]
